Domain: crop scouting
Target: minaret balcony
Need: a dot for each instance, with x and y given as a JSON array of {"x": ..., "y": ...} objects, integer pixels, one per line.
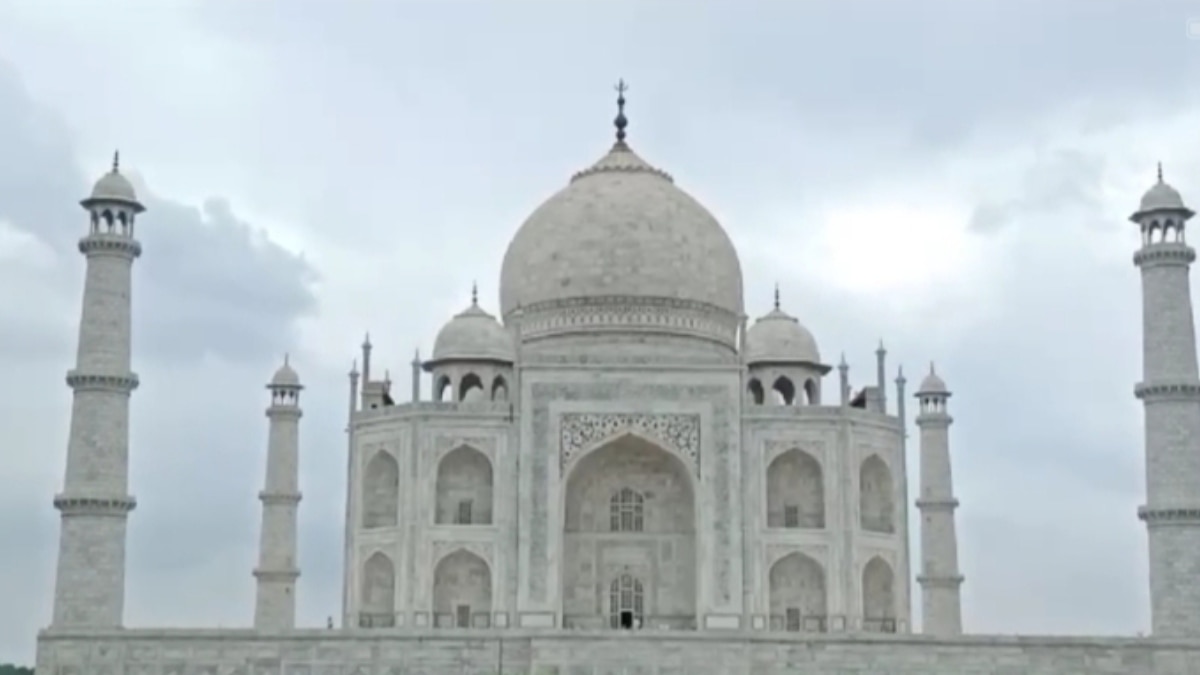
[
  {"x": 280, "y": 498},
  {"x": 120, "y": 245},
  {"x": 1167, "y": 391},
  {"x": 1169, "y": 516},
  {"x": 950, "y": 581},
  {"x": 937, "y": 504},
  {"x": 121, "y": 384},
  {"x": 81, "y": 505},
  {"x": 1165, "y": 253},
  {"x": 283, "y": 575}
]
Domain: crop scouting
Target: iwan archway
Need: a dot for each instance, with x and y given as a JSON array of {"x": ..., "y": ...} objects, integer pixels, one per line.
[{"x": 629, "y": 539}]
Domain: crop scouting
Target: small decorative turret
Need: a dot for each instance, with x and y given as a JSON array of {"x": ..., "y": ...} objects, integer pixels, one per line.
[{"x": 783, "y": 360}]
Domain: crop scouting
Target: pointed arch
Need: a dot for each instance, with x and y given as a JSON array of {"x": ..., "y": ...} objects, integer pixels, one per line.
[
  {"x": 795, "y": 491},
  {"x": 799, "y": 601},
  {"x": 644, "y": 478},
  {"x": 377, "y": 592},
  {"x": 812, "y": 392},
  {"x": 462, "y": 591},
  {"x": 879, "y": 596},
  {"x": 626, "y": 511},
  {"x": 464, "y": 488},
  {"x": 499, "y": 389},
  {"x": 381, "y": 491},
  {"x": 876, "y": 496},
  {"x": 442, "y": 390},
  {"x": 470, "y": 385},
  {"x": 784, "y": 390},
  {"x": 756, "y": 392},
  {"x": 626, "y": 603}
]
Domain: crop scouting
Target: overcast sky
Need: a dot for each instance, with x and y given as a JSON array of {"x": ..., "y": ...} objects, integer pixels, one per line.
[{"x": 951, "y": 176}]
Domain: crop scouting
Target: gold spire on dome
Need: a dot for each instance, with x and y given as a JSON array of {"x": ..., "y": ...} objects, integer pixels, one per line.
[
  {"x": 1160, "y": 179},
  {"x": 474, "y": 294},
  {"x": 116, "y": 165},
  {"x": 777, "y": 296}
]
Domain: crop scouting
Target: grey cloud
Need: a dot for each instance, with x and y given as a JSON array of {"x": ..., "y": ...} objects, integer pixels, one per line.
[
  {"x": 1060, "y": 179},
  {"x": 210, "y": 291},
  {"x": 939, "y": 67},
  {"x": 209, "y": 283},
  {"x": 214, "y": 285}
]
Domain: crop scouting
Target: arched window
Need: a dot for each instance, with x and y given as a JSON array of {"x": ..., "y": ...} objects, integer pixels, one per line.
[
  {"x": 755, "y": 389},
  {"x": 441, "y": 389},
  {"x": 499, "y": 389},
  {"x": 625, "y": 511},
  {"x": 626, "y": 608},
  {"x": 471, "y": 386},
  {"x": 784, "y": 390},
  {"x": 812, "y": 392}
]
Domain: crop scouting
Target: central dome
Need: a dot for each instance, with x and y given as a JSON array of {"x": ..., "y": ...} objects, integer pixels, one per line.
[{"x": 621, "y": 232}]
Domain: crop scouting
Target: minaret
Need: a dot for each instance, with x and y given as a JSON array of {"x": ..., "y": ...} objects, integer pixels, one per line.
[
  {"x": 844, "y": 380},
  {"x": 347, "y": 541},
  {"x": 941, "y": 600},
  {"x": 881, "y": 376},
  {"x": 416, "y": 376},
  {"x": 95, "y": 502},
  {"x": 275, "y": 602},
  {"x": 1170, "y": 394}
]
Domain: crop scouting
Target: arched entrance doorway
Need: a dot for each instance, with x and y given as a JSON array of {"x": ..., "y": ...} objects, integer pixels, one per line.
[{"x": 629, "y": 539}]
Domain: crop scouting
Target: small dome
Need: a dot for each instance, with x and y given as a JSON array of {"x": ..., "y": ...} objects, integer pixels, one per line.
[
  {"x": 1161, "y": 197},
  {"x": 113, "y": 185},
  {"x": 778, "y": 337},
  {"x": 933, "y": 384},
  {"x": 285, "y": 376},
  {"x": 473, "y": 335}
]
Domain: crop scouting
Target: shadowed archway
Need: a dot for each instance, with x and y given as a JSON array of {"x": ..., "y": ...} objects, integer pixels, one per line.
[{"x": 629, "y": 520}]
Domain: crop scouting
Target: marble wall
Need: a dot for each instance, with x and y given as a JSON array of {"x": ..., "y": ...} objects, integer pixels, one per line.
[{"x": 515, "y": 652}]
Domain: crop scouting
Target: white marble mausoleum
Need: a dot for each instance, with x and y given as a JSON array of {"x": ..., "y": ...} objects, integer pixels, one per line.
[{"x": 618, "y": 472}]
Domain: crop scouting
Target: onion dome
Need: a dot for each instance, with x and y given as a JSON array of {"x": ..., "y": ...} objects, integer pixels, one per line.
[
  {"x": 779, "y": 337},
  {"x": 472, "y": 335},
  {"x": 285, "y": 377},
  {"x": 114, "y": 187},
  {"x": 933, "y": 384}
]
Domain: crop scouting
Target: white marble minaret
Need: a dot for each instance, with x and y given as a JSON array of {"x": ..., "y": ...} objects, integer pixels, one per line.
[
  {"x": 1170, "y": 394},
  {"x": 95, "y": 501},
  {"x": 941, "y": 600},
  {"x": 275, "y": 601}
]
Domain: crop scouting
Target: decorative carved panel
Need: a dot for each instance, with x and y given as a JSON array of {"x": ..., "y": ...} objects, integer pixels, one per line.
[{"x": 581, "y": 431}]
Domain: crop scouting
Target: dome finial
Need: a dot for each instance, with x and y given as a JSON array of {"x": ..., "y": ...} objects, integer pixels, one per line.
[
  {"x": 776, "y": 295},
  {"x": 116, "y": 167},
  {"x": 621, "y": 122},
  {"x": 1160, "y": 178},
  {"x": 474, "y": 294}
]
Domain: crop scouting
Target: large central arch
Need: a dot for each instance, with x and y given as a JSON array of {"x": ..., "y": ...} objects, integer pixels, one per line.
[{"x": 629, "y": 538}]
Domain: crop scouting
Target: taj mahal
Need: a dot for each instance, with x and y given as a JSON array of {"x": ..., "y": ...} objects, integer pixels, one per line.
[{"x": 617, "y": 472}]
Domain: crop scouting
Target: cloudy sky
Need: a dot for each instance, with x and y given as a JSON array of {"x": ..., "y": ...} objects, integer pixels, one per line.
[{"x": 952, "y": 176}]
